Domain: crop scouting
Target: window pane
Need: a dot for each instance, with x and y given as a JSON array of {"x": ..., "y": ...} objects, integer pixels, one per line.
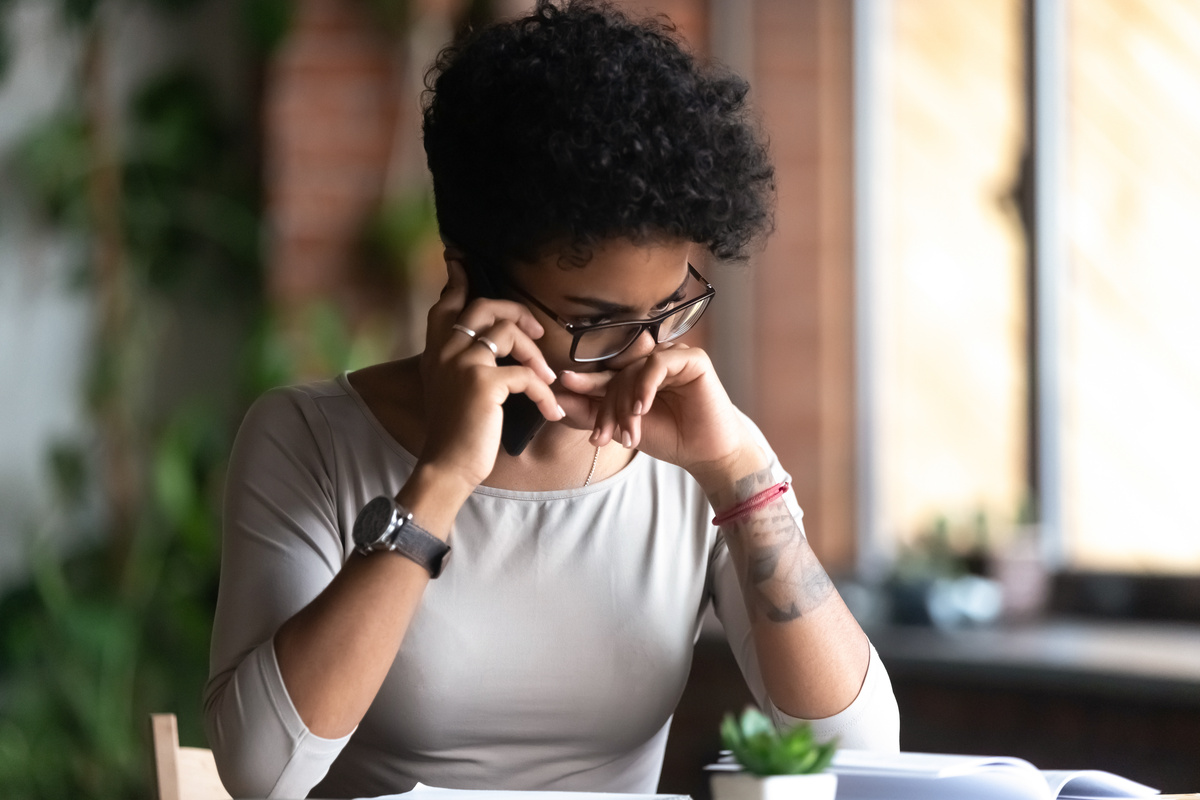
[
  {"x": 1132, "y": 314},
  {"x": 951, "y": 293}
]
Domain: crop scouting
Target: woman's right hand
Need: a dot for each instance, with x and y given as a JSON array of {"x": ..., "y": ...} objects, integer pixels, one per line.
[{"x": 463, "y": 386}]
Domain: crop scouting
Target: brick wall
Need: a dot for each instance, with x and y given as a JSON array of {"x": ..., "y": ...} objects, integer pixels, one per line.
[
  {"x": 330, "y": 109},
  {"x": 804, "y": 323}
]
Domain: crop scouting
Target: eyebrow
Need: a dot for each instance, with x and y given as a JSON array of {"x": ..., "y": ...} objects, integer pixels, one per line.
[{"x": 617, "y": 308}]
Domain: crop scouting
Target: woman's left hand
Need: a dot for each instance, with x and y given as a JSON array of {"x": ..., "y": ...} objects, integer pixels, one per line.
[{"x": 671, "y": 406}]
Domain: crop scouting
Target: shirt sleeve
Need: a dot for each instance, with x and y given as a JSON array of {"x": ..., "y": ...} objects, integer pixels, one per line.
[
  {"x": 280, "y": 548},
  {"x": 870, "y": 722}
]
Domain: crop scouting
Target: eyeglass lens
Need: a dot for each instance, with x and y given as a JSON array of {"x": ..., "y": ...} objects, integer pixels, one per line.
[{"x": 607, "y": 342}]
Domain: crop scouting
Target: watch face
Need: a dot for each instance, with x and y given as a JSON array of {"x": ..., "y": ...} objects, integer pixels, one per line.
[{"x": 373, "y": 522}]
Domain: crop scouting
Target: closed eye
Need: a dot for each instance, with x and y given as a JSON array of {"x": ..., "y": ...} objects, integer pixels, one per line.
[
  {"x": 670, "y": 301},
  {"x": 596, "y": 320},
  {"x": 657, "y": 309}
]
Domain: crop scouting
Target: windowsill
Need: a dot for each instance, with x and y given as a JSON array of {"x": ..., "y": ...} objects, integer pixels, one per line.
[{"x": 1152, "y": 661}]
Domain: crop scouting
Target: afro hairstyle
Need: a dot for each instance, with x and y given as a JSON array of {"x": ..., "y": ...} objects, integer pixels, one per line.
[{"x": 575, "y": 124}]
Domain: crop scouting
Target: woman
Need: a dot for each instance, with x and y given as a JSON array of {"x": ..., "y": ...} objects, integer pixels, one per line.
[{"x": 582, "y": 163}]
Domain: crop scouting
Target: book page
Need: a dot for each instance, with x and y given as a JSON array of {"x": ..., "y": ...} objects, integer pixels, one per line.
[
  {"x": 1087, "y": 784},
  {"x": 1000, "y": 782},
  {"x": 866, "y": 775},
  {"x": 869, "y": 775},
  {"x": 929, "y": 765}
]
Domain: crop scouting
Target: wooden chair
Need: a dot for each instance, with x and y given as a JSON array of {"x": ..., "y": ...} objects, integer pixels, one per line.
[{"x": 182, "y": 773}]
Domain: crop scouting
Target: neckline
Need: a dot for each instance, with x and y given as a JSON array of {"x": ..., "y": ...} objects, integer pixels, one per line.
[{"x": 619, "y": 476}]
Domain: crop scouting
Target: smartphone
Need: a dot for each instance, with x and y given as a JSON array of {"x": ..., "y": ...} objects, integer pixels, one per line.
[{"x": 522, "y": 418}]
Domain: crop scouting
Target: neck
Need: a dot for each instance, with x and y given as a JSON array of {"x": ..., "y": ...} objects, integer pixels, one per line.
[
  {"x": 554, "y": 441},
  {"x": 559, "y": 457}
]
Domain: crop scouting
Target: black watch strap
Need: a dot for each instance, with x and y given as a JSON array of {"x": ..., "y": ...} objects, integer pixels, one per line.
[{"x": 417, "y": 544}]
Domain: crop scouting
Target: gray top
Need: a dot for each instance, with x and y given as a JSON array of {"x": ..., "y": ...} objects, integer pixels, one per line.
[{"x": 549, "y": 655}]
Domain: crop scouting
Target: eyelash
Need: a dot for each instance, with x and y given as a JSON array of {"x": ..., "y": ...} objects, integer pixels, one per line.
[
  {"x": 593, "y": 320},
  {"x": 602, "y": 318},
  {"x": 664, "y": 306}
]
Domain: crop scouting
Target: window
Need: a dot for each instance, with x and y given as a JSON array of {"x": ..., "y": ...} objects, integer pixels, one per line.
[
  {"x": 1130, "y": 305},
  {"x": 1057, "y": 371}
]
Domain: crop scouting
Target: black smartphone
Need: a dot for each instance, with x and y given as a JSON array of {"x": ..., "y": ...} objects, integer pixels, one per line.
[{"x": 522, "y": 418}]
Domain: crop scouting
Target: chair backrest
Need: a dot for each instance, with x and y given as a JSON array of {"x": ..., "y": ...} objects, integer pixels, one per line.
[{"x": 182, "y": 773}]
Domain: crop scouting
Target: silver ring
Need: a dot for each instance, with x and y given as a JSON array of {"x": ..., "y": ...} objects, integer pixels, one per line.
[
  {"x": 488, "y": 343},
  {"x": 464, "y": 329}
]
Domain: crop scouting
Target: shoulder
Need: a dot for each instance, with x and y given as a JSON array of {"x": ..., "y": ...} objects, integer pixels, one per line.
[
  {"x": 300, "y": 395},
  {"x": 289, "y": 406},
  {"x": 392, "y": 394},
  {"x": 295, "y": 422}
]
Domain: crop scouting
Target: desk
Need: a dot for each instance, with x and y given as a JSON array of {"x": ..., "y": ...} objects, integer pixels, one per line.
[{"x": 1063, "y": 694}]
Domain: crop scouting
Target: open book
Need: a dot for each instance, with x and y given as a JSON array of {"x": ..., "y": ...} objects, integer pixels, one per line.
[
  {"x": 423, "y": 792},
  {"x": 864, "y": 775}
]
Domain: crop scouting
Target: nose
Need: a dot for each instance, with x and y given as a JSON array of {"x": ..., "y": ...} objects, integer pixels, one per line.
[{"x": 642, "y": 346}]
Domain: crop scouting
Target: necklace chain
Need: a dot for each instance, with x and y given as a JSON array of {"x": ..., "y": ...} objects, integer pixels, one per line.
[{"x": 592, "y": 471}]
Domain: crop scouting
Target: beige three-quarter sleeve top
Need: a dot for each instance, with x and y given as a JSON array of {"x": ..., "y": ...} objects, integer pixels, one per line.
[{"x": 550, "y": 654}]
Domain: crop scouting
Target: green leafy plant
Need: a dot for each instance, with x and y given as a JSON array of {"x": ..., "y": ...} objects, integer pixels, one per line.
[
  {"x": 764, "y": 750},
  {"x": 164, "y": 221}
]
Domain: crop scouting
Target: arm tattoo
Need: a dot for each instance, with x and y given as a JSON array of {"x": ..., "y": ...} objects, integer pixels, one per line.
[{"x": 780, "y": 575}]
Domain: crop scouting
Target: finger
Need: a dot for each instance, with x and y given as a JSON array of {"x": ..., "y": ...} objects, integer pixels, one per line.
[
  {"x": 511, "y": 340},
  {"x": 593, "y": 384},
  {"x": 456, "y": 278},
  {"x": 581, "y": 410},
  {"x": 481, "y": 316},
  {"x": 605, "y": 429},
  {"x": 646, "y": 385},
  {"x": 523, "y": 380},
  {"x": 662, "y": 368},
  {"x": 503, "y": 339},
  {"x": 633, "y": 427},
  {"x": 448, "y": 306},
  {"x": 620, "y": 398},
  {"x": 597, "y": 385},
  {"x": 484, "y": 312}
]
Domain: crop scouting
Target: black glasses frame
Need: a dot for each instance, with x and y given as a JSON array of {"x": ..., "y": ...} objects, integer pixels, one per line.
[{"x": 651, "y": 324}]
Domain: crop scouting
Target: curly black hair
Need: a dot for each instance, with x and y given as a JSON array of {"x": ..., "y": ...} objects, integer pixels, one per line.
[{"x": 576, "y": 124}]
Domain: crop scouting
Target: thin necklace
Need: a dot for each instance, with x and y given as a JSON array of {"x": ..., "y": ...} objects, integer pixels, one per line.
[{"x": 592, "y": 471}]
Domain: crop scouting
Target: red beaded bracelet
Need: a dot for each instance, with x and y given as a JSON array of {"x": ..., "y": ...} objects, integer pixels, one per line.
[{"x": 746, "y": 506}]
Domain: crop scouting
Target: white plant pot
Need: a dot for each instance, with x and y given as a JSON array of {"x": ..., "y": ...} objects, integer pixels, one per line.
[{"x": 748, "y": 786}]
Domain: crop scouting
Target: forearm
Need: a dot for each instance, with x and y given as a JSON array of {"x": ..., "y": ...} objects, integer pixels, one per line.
[
  {"x": 335, "y": 653},
  {"x": 812, "y": 653}
]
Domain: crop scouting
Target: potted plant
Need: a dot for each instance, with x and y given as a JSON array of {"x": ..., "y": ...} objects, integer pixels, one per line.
[{"x": 775, "y": 765}]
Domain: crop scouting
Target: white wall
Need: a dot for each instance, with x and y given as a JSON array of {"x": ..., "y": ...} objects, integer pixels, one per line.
[{"x": 44, "y": 325}]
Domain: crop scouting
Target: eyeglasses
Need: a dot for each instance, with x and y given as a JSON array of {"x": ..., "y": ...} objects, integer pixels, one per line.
[{"x": 601, "y": 340}]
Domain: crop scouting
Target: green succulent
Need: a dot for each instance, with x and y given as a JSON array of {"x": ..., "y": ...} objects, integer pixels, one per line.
[{"x": 763, "y": 750}]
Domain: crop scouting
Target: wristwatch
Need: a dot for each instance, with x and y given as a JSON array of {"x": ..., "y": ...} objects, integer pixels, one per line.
[{"x": 384, "y": 524}]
